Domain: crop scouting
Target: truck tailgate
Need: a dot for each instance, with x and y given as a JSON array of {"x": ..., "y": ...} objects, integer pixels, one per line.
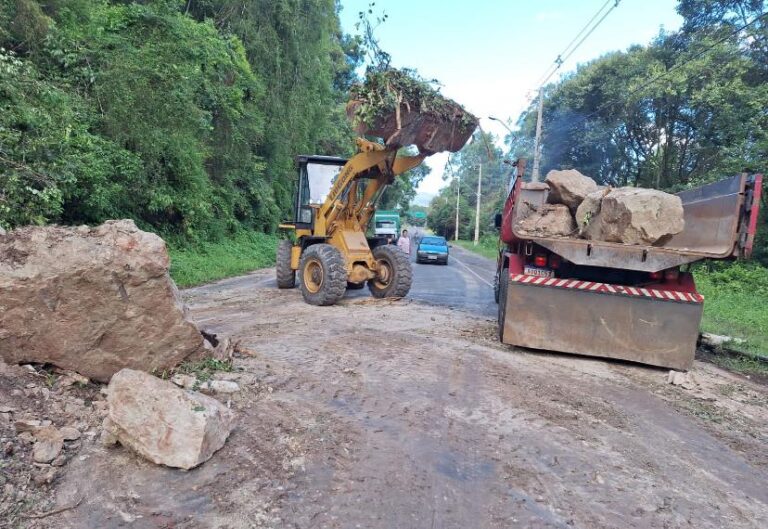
[{"x": 594, "y": 321}]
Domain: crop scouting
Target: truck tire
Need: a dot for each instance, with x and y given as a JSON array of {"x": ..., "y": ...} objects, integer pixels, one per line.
[
  {"x": 286, "y": 276},
  {"x": 502, "y": 299},
  {"x": 395, "y": 275},
  {"x": 323, "y": 275}
]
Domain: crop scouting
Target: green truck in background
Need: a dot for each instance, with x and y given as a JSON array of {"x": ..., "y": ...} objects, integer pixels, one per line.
[{"x": 386, "y": 223}]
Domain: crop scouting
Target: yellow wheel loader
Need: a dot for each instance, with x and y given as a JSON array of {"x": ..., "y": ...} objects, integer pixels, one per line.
[{"x": 335, "y": 201}]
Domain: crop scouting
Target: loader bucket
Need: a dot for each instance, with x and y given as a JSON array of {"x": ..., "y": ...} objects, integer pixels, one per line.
[{"x": 429, "y": 132}]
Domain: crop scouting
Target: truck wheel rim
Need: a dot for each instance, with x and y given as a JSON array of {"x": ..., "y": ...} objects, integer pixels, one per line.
[{"x": 313, "y": 276}]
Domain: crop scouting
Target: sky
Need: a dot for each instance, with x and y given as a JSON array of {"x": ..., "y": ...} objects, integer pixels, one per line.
[{"x": 489, "y": 54}]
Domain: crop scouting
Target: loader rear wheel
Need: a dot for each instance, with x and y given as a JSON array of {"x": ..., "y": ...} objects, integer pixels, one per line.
[
  {"x": 286, "y": 276},
  {"x": 323, "y": 275},
  {"x": 503, "y": 284},
  {"x": 394, "y": 275}
]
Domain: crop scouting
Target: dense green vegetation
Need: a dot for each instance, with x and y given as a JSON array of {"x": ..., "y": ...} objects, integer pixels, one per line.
[
  {"x": 193, "y": 264},
  {"x": 736, "y": 303},
  {"x": 183, "y": 115}
]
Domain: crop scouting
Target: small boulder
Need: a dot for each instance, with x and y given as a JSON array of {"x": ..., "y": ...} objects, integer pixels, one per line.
[
  {"x": 48, "y": 444},
  {"x": 547, "y": 220},
  {"x": 631, "y": 215},
  {"x": 163, "y": 423},
  {"x": 70, "y": 433},
  {"x": 569, "y": 187}
]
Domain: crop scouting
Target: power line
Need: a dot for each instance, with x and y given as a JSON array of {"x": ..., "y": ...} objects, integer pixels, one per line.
[
  {"x": 670, "y": 70},
  {"x": 568, "y": 50}
]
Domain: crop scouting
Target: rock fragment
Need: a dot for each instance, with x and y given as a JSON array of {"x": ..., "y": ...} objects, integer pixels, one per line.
[
  {"x": 547, "y": 220},
  {"x": 163, "y": 423},
  {"x": 48, "y": 444}
]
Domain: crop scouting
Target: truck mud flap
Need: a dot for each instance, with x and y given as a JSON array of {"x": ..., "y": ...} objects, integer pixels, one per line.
[{"x": 653, "y": 327}]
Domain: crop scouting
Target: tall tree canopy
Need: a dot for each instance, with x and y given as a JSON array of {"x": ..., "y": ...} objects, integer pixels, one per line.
[{"x": 184, "y": 115}]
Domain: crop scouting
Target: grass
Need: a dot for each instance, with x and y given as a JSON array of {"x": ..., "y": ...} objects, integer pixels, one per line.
[
  {"x": 202, "y": 263},
  {"x": 487, "y": 247},
  {"x": 205, "y": 368},
  {"x": 736, "y": 305}
]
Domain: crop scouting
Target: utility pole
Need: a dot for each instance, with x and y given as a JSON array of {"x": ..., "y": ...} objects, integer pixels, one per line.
[
  {"x": 537, "y": 143},
  {"x": 477, "y": 210},
  {"x": 458, "y": 189}
]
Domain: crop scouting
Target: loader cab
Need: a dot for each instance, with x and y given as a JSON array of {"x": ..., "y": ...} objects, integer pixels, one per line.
[{"x": 316, "y": 177}]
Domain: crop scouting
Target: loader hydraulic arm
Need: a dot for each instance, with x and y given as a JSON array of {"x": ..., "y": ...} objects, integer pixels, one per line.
[{"x": 343, "y": 208}]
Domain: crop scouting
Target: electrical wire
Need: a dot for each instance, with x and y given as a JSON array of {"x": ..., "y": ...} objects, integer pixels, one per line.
[
  {"x": 671, "y": 69},
  {"x": 570, "y": 48}
]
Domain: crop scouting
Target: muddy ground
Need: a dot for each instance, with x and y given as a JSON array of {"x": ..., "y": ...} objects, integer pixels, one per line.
[{"x": 407, "y": 414}]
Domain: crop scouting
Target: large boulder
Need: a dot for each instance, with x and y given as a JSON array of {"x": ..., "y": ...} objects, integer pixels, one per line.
[
  {"x": 569, "y": 187},
  {"x": 546, "y": 220},
  {"x": 163, "y": 423},
  {"x": 91, "y": 300},
  {"x": 632, "y": 215}
]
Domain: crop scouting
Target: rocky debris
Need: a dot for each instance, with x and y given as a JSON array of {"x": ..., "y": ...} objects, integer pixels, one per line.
[
  {"x": 70, "y": 378},
  {"x": 207, "y": 386},
  {"x": 70, "y": 433},
  {"x": 163, "y": 423},
  {"x": 569, "y": 187},
  {"x": 683, "y": 379},
  {"x": 631, "y": 215},
  {"x": 547, "y": 220},
  {"x": 48, "y": 444},
  {"x": 91, "y": 300},
  {"x": 218, "y": 348}
]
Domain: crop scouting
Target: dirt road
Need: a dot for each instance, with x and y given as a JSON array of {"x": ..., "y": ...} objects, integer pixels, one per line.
[{"x": 409, "y": 414}]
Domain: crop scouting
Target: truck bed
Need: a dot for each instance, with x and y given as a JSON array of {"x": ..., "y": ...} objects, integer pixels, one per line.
[{"x": 719, "y": 223}]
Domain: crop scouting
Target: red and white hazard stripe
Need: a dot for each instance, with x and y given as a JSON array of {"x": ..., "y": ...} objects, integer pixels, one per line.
[{"x": 591, "y": 286}]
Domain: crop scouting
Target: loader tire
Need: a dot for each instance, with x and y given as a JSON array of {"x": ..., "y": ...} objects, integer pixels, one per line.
[
  {"x": 395, "y": 275},
  {"x": 323, "y": 275},
  {"x": 286, "y": 276},
  {"x": 503, "y": 284}
]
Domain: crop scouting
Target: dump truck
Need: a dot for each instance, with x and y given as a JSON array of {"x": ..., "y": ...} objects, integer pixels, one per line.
[
  {"x": 386, "y": 223},
  {"x": 611, "y": 300},
  {"x": 336, "y": 199}
]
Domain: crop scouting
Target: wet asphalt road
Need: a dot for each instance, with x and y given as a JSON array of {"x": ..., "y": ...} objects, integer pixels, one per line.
[{"x": 465, "y": 283}]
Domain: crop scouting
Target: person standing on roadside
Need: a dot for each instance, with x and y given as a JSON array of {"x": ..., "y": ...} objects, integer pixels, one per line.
[{"x": 404, "y": 243}]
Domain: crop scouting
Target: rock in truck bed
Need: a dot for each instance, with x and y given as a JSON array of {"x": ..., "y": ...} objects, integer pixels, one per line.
[{"x": 626, "y": 215}]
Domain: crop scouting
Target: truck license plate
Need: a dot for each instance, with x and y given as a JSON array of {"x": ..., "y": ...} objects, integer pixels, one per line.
[
  {"x": 539, "y": 272},
  {"x": 433, "y": 257}
]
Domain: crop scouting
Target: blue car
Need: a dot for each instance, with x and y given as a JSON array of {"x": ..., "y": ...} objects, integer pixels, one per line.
[{"x": 432, "y": 249}]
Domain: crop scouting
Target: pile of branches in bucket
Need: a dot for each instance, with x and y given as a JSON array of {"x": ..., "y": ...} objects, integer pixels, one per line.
[{"x": 403, "y": 108}]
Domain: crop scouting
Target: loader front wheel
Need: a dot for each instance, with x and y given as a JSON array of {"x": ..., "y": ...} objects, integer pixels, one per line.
[
  {"x": 286, "y": 276},
  {"x": 394, "y": 275},
  {"x": 323, "y": 275}
]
